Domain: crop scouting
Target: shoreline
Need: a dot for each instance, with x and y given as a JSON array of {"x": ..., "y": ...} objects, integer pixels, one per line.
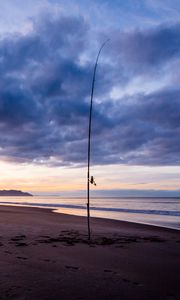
[
  {"x": 51, "y": 258},
  {"x": 55, "y": 210}
]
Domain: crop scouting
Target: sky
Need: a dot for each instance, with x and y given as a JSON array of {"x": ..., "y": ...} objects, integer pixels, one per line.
[{"x": 47, "y": 54}]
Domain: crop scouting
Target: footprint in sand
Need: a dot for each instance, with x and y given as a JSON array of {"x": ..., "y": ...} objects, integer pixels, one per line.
[
  {"x": 21, "y": 257},
  {"x": 49, "y": 260},
  {"x": 72, "y": 267},
  {"x": 18, "y": 238},
  {"x": 108, "y": 271},
  {"x": 126, "y": 280},
  {"x": 21, "y": 244},
  {"x": 8, "y": 252},
  {"x": 137, "y": 283}
]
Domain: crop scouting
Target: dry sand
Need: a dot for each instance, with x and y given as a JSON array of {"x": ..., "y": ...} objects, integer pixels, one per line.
[{"x": 44, "y": 255}]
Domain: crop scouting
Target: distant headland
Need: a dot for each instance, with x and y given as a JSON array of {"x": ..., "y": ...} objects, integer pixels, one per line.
[{"x": 14, "y": 193}]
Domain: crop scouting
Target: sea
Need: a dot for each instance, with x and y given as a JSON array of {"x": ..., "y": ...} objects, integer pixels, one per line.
[{"x": 164, "y": 212}]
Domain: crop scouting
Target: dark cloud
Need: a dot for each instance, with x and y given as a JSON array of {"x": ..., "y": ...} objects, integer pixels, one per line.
[
  {"x": 142, "y": 51},
  {"x": 45, "y": 90}
]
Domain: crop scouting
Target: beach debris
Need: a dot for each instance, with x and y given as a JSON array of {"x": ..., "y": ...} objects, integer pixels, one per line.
[{"x": 73, "y": 237}]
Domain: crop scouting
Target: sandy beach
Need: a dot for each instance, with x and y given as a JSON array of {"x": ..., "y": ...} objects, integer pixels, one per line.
[{"x": 45, "y": 255}]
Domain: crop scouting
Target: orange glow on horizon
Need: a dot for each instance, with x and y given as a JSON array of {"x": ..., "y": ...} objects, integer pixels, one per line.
[{"x": 38, "y": 178}]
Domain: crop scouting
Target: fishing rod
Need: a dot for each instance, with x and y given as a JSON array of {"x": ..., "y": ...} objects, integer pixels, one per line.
[{"x": 89, "y": 141}]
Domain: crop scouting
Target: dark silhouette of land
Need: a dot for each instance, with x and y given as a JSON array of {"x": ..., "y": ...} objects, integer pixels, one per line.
[{"x": 14, "y": 193}]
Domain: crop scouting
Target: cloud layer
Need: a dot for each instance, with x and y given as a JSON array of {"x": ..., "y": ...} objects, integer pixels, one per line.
[{"x": 45, "y": 91}]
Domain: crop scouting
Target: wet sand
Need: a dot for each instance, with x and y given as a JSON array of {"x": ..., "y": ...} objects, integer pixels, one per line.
[{"x": 45, "y": 255}]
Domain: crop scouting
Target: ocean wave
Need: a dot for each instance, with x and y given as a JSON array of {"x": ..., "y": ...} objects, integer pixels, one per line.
[{"x": 107, "y": 209}]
